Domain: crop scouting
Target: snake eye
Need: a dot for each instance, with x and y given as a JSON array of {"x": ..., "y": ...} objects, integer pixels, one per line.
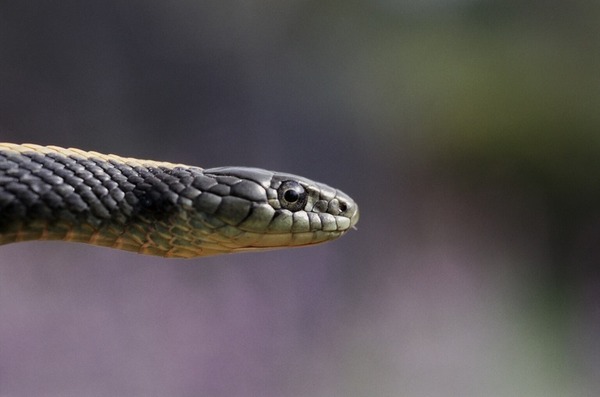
[{"x": 292, "y": 195}]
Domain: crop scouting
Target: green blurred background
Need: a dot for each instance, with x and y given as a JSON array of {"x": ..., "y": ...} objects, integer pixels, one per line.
[{"x": 467, "y": 130}]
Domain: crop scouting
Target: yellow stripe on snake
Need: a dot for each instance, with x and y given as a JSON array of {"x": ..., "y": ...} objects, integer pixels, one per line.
[{"x": 159, "y": 208}]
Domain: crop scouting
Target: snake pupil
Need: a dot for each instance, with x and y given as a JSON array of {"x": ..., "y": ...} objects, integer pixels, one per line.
[{"x": 291, "y": 196}]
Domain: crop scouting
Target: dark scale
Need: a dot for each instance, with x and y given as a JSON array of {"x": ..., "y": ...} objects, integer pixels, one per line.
[{"x": 53, "y": 188}]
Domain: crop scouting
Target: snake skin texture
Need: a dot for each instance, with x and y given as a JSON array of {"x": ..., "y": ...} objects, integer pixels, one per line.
[{"x": 159, "y": 208}]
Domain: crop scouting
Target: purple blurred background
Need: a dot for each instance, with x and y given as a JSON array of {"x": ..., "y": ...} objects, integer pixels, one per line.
[{"x": 467, "y": 130}]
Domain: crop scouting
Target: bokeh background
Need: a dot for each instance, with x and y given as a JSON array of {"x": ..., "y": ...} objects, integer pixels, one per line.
[{"x": 467, "y": 130}]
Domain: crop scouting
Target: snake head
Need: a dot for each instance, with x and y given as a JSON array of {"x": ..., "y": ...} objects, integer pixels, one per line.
[{"x": 254, "y": 209}]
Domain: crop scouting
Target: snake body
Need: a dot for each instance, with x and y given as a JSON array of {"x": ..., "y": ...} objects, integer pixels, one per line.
[{"x": 160, "y": 208}]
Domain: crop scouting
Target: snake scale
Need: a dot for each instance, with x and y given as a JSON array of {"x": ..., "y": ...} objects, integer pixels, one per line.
[{"x": 160, "y": 208}]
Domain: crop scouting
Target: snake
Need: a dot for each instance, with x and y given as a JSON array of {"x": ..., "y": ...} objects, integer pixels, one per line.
[{"x": 161, "y": 208}]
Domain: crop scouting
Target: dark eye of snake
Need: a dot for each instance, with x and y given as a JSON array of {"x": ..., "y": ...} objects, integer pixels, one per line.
[{"x": 292, "y": 195}]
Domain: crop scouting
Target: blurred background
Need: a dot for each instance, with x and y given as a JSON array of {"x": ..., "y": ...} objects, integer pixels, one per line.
[{"x": 467, "y": 130}]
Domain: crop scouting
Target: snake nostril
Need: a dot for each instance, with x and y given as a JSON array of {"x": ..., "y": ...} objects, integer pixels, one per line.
[{"x": 343, "y": 207}]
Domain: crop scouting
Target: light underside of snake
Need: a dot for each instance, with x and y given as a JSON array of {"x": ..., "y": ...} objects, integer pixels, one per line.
[{"x": 160, "y": 208}]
